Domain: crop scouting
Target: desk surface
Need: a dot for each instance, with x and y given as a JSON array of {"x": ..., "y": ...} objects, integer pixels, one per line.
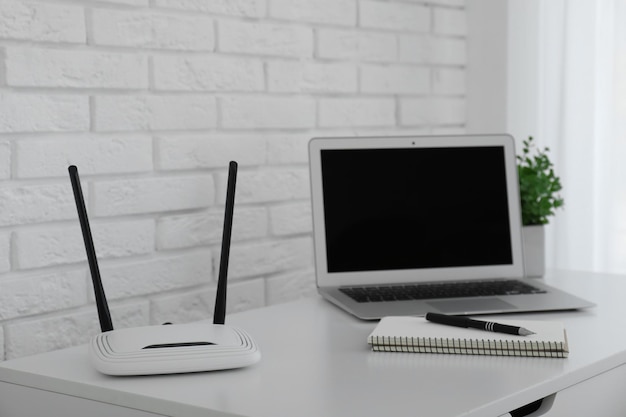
[{"x": 316, "y": 362}]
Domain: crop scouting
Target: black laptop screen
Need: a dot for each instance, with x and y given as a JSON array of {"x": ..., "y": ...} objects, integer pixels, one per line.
[{"x": 390, "y": 209}]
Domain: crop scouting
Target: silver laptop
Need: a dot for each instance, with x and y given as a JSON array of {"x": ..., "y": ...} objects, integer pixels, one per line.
[{"x": 408, "y": 225}]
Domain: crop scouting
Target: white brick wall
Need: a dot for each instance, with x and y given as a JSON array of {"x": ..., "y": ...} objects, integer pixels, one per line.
[
  {"x": 34, "y": 67},
  {"x": 208, "y": 73},
  {"x": 151, "y": 99},
  {"x": 286, "y": 287},
  {"x": 157, "y": 274},
  {"x": 5, "y": 160},
  {"x": 361, "y": 112},
  {"x": 257, "y": 112},
  {"x": 57, "y": 245},
  {"x": 108, "y": 154},
  {"x": 271, "y": 39},
  {"x": 153, "y": 112},
  {"x": 395, "y": 16},
  {"x": 5, "y": 252},
  {"x": 147, "y": 195},
  {"x": 30, "y": 20},
  {"x": 209, "y": 150},
  {"x": 352, "y": 45},
  {"x": 244, "y": 8},
  {"x": 332, "y": 12},
  {"x": 29, "y": 295},
  {"x": 312, "y": 77},
  {"x": 145, "y": 29},
  {"x": 31, "y": 112},
  {"x": 24, "y": 204}
]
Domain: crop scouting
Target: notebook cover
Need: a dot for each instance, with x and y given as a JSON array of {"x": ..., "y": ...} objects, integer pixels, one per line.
[{"x": 416, "y": 334}]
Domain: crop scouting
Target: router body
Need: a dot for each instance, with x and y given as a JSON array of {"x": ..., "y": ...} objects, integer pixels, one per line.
[{"x": 168, "y": 349}]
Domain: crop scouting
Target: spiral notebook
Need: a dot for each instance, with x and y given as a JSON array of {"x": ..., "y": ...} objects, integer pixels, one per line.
[{"x": 415, "y": 334}]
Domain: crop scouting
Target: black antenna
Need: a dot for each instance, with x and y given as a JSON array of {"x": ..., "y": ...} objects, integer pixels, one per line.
[
  {"x": 101, "y": 301},
  {"x": 219, "y": 315}
]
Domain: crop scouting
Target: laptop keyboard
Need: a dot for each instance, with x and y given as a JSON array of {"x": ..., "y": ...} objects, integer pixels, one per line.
[{"x": 439, "y": 290}]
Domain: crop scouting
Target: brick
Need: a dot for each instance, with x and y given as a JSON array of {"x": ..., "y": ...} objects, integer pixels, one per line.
[
  {"x": 332, "y": 12},
  {"x": 5, "y": 160},
  {"x": 307, "y": 77},
  {"x": 38, "y": 335},
  {"x": 265, "y": 39},
  {"x": 417, "y": 49},
  {"x": 451, "y": 130},
  {"x": 186, "y": 307},
  {"x": 131, "y": 314},
  {"x": 245, "y": 295},
  {"x": 447, "y": 81},
  {"x": 290, "y": 219},
  {"x": 379, "y": 79},
  {"x": 58, "y": 245},
  {"x": 316, "y": 62},
  {"x": 27, "y": 296},
  {"x": 270, "y": 257},
  {"x": 5, "y": 251},
  {"x": 246, "y": 8},
  {"x": 267, "y": 112},
  {"x": 449, "y": 22},
  {"x": 451, "y": 3},
  {"x": 163, "y": 112},
  {"x": 208, "y": 73},
  {"x": 353, "y": 45},
  {"x": 290, "y": 286},
  {"x": 340, "y": 112},
  {"x": 266, "y": 185},
  {"x": 249, "y": 223},
  {"x": 142, "y": 29},
  {"x": 43, "y": 113},
  {"x": 185, "y": 231},
  {"x": 191, "y": 230},
  {"x": 397, "y": 130},
  {"x": 92, "y": 155},
  {"x": 156, "y": 275},
  {"x": 442, "y": 51},
  {"x": 33, "y": 67},
  {"x": 151, "y": 195},
  {"x": 27, "y": 20},
  {"x": 399, "y": 17},
  {"x": 128, "y": 2},
  {"x": 193, "y": 151},
  {"x": 288, "y": 149},
  {"x": 24, "y": 204},
  {"x": 449, "y": 51},
  {"x": 432, "y": 111},
  {"x": 199, "y": 304}
]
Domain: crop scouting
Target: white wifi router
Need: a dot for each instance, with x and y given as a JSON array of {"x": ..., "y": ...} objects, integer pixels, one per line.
[
  {"x": 167, "y": 349},
  {"x": 170, "y": 349}
]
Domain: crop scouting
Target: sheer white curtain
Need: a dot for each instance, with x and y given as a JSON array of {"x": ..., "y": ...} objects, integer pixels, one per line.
[{"x": 582, "y": 118}]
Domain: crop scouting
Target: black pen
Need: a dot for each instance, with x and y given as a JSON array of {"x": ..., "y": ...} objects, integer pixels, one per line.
[{"x": 460, "y": 321}]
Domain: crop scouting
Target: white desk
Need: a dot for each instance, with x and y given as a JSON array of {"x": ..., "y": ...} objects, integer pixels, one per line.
[{"x": 316, "y": 363}]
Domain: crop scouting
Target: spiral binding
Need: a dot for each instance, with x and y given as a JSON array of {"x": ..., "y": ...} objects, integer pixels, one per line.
[{"x": 468, "y": 346}]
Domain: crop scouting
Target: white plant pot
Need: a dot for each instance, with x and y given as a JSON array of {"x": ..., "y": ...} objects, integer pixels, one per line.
[{"x": 534, "y": 250}]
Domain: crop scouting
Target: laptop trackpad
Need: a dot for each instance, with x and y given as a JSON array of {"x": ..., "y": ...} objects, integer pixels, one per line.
[{"x": 472, "y": 306}]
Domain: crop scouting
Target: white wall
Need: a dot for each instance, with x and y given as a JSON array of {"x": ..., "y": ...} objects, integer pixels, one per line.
[
  {"x": 487, "y": 66},
  {"x": 503, "y": 67},
  {"x": 151, "y": 99}
]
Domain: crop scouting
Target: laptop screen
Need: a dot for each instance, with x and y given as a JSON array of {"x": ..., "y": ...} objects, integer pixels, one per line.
[{"x": 413, "y": 208}]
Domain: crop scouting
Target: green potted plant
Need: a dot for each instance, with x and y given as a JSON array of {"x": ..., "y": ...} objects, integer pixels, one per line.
[{"x": 539, "y": 190}]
